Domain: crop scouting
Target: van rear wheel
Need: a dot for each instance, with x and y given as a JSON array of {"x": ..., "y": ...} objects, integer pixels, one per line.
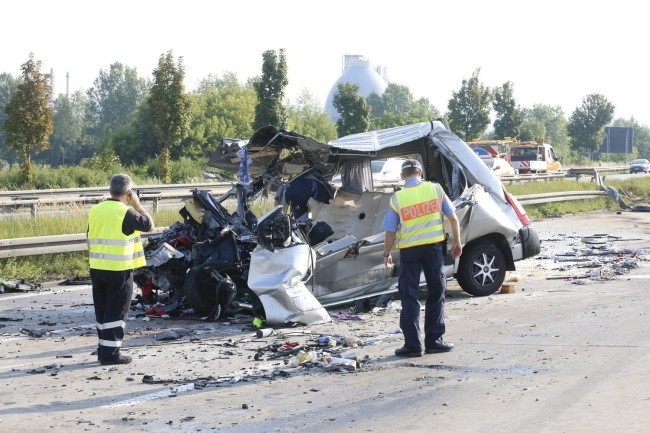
[{"x": 482, "y": 270}]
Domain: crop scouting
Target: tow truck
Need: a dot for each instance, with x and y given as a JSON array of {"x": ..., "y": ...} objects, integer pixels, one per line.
[{"x": 531, "y": 157}]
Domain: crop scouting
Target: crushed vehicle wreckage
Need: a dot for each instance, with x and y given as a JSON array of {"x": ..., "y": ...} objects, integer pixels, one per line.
[{"x": 322, "y": 246}]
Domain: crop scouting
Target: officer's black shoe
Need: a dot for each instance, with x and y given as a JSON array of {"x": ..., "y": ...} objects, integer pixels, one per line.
[
  {"x": 121, "y": 359},
  {"x": 408, "y": 352},
  {"x": 439, "y": 346}
]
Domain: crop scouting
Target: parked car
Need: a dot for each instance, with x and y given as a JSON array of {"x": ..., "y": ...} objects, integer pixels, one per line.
[
  {"x": 640, "y": 166},
  {"x": 322, "y": 245}
]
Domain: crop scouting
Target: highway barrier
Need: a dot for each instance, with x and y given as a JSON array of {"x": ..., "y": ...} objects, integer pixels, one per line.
[{"x": 19, "y": 247}]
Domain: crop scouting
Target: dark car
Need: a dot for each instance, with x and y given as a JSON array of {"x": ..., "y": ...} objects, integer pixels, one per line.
[{"x": 640, "y": 166}]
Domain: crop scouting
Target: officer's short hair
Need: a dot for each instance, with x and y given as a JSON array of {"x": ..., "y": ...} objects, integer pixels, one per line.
[{"x": 120, "y": 184}]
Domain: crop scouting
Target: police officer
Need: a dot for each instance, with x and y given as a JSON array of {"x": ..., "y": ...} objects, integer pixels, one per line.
[
  {"x": 414, "y": 220},
  {"x": 115, "y": 249}
]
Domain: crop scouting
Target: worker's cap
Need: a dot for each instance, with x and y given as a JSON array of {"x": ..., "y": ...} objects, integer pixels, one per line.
[{"x": 411, "y": 163}]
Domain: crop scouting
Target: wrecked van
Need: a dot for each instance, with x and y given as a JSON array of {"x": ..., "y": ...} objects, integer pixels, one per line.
[{"x": 322, "y": 245}]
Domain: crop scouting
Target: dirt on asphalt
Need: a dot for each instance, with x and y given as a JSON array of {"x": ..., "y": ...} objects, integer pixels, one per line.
[{"x": 567, "y": 351}]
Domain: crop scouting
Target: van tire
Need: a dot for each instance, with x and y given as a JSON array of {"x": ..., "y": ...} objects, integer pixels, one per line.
[{"x": 481, "y": 270}]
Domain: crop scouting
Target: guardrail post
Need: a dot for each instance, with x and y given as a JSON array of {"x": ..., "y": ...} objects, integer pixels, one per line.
[
  {"x": 155, "y": 204},
  {"x": 33, "y": 207}
]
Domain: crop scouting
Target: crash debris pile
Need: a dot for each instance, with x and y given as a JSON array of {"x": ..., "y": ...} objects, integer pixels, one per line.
[
  {"x": 594, "y": 258},
  {"x": 287, "y": 353},
  {"x": 198, "y": 267}
]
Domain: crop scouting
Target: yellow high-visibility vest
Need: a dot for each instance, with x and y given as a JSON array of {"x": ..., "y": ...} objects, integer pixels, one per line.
[
  {"x": 420, "y": 220},
  {"x": 109, "y": 248}
]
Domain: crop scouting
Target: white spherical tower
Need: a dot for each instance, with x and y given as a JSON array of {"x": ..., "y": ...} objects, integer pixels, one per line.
[{"x": 356, "y": 70}]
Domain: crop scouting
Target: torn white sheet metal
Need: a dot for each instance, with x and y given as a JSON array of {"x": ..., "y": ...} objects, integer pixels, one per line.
[
  {"x": 277, "y": 279},
  {"x": 327, "y": 248},
  {"x": 163, "y": 254},
  {"x": 373, "y": 141}
]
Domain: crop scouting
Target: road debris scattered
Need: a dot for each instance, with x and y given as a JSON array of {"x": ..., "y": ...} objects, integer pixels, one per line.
[
  {"x": 34, "y": 332},
  {"x": 593, "y": 258},
  {"x": 7, "y": 286},
  {"x": 280, "y": 358}
]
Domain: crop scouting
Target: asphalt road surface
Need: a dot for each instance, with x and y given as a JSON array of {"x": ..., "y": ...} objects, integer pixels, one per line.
[{"x": 557, "y": 355}]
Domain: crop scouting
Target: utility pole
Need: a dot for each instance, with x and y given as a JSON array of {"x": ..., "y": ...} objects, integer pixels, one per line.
[{"x": 52, "y": 81}]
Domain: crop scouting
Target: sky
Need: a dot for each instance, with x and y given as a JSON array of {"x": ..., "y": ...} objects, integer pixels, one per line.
[{"x": 554, "y": 52}]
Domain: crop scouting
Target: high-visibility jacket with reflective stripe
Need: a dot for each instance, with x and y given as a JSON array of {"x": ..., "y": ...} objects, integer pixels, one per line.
[
  {"x": 420, "y": 219},
  {"x": 109, "y": 248}
]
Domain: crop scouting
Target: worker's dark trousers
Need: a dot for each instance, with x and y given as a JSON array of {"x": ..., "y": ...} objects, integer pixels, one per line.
[
  {"x": 112, "y": 291},
  {"x": 413, "y": 261}
]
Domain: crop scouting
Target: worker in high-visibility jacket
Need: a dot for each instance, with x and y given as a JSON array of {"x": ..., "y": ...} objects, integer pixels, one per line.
[
  {"x": 115, "y": 250},
  {"x": 414, "y": 219}
]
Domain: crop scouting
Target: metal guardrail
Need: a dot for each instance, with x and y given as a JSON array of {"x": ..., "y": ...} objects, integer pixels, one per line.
[
  {"x": 13, "y": 201},
  {"x": 20, "y": 247},
  {"x": 102, "y": 190},
  {"x": 532, "y": 177},
  {"x": 35, "y": 200},
  {"x": 572, "y": 173},
  {"x": 559, "y": 196}
]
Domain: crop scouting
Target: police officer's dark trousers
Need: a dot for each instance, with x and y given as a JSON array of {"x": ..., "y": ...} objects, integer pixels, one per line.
[
  {"x": 413, "y": 261},
  {"x": 112, "y": 291}
]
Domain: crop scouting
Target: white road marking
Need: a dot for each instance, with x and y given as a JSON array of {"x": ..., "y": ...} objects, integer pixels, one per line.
[{"x": 153, "y": 396}]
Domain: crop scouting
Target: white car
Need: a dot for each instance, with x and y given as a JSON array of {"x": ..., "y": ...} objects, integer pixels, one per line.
[{"x": 385, "y": 172}]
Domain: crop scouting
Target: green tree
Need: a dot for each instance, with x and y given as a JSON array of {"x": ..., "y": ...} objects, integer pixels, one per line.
[
  {"x": 222, "y": 108},
  {"x": 170, "y": 108},
  {"x": 396, "y": 107},
  {"x": 270, "y": 88},
  {"x": 68, "y": 146},
  {"x": 308, "y": 118},
  {"x": 29, "y": 116},
  {"x": 469, "y": 108},
  {"x": 422, "y": 111},
  {"x": 112, "y": 101},
  {"x": 509, "y": 116},
  {"x": 587, "y": 123},
  {"x": 353, "y": 108},
  {"x": 8, "y": 86},
  {"x": 532, "y": 129},
  {"x": 213, "y": 81},
  {"x": 138, "y": 143},
  {"x": 548, "y": 124},
  {"x": 554, "y": 121}
]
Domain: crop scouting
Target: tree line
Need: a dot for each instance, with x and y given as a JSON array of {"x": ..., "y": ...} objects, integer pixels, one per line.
[{"x": 132, "y": 119}]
